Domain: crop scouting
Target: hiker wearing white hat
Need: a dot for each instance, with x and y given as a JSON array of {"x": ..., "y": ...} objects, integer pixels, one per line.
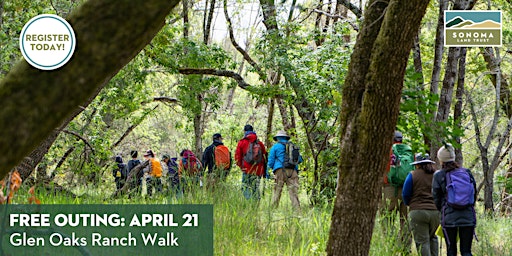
[
  {"x": 283, "y": 159},
  {"x": 454, "y": 193}
]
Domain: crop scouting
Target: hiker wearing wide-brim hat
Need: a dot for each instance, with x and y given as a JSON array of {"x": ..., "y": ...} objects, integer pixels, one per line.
[
  {"x": 423, "y": 215},
  {"x": 422, "y": 159},
  {"x": 285, "y": 169},
  {"x": 282, "y": 134}
]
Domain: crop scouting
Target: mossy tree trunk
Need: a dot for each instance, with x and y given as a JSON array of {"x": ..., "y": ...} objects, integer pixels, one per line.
[
  {"x": 109, "y": 33},
  {"x": 370, "y": 108}
]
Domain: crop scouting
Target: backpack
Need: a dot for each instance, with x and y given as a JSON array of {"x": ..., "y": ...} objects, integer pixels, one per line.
[
  {"x": 460, "y": 192},
  {"x": 156, "y": 168},
  {"x": 254, "y": 154},
  {"x": 222, "y": 157},
  {"x": 403, "y": 158},
  {"x": 191, "y": 164},
  {"x": 121, "y": 171},
  {"x": 291, "y": 156},
  {"x": 172, "y": 172}
]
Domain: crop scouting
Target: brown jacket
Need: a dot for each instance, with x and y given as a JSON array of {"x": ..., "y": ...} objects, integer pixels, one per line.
[{"x": 422, "y": 198}]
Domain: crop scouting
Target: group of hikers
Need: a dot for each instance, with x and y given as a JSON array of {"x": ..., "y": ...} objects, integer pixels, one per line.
[
  {"x": 188, "y": 172},
  {"x": 439, "y": 202},
  {"x": 429, "y": 202}
]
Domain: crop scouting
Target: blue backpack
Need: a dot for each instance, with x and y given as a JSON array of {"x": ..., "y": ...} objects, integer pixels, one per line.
[{"x": 460, "y": 192}]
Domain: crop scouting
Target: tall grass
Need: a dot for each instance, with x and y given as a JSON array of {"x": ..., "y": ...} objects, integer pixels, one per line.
[{"x": 247, "y": 227}]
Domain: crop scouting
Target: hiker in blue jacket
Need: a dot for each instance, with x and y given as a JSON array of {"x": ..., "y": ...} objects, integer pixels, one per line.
[
  {"x": 290, "y": 176},
  {"x": 454, "y": 221}
]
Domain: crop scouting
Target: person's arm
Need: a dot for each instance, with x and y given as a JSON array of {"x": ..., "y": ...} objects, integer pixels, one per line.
[
  {"x": 407, "y": 189},
  {"x": 437, "y": 191},
  {"x": 208, "y": 159},
  {"x": 239, "y": 153},
  {"x": 474, "y": 184},
  {"x": 230, "y": 161},
  {"x": 271, "y": 158}
]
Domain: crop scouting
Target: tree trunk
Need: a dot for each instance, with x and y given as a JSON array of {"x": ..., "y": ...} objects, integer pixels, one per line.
[
  {"x": 270, "y": 120},
  {"x": 208, "y": 24},
  {"x": 438, "y": 49},
  {"x": 198, "y": 133},
  {"x": 29, "y": 163},
  {"x": 1, "y": 14},
  {"x": 285, "y": 118},
  {"x": 109, "y": 33},
  {"x": 436, "y": 72},
  {"x": 185, "y": 19},
  {"x": 445, "y": 99},
  {"x": 493, "y": 65},
  {"x": 374, "y": 79},
  {"x": 459, "y": 94}
]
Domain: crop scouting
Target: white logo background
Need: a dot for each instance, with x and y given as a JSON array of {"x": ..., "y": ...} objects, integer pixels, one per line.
[{"x": 47, "y": 42}]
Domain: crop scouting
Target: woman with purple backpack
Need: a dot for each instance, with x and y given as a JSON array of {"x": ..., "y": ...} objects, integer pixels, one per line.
[{"x": 453, "y": 189}]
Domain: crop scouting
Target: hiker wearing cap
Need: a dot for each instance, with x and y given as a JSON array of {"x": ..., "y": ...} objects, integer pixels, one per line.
[
  {"x": 453, "y": 189},
  {"x": 423, "y": 214},
  {"x": 284, "y": 169},
  {"x": 173, "y": 177},
  {"x": 153, "y": 172},
  {"x": 120, "y": 172},
  {"x": 251, "y": 157},
  {"x": 131, "y": 164},
  {"x": 401, "y": 157},
  {"x": 216, "y": 160}
]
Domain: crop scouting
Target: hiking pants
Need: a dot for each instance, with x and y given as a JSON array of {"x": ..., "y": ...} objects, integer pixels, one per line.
[
  {"x": 466, "y": 238},
  {"x": 251, "y": 186},
  {"x": 119, "y": 182},
  {"x": 153, "y": 182},
  {"x": 423, "y": 225},
  {"x": 291, "y": 178}
]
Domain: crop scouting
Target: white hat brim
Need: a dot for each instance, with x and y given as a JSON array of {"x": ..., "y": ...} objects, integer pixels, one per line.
[{"x": 423, "y": 162}]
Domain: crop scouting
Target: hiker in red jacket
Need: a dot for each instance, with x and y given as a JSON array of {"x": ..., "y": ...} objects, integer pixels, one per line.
[{"x": 251, "y": 157}]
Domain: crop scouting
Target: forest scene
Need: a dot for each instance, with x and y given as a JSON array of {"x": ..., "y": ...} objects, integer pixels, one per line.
[{"x": 158, "y": 80}]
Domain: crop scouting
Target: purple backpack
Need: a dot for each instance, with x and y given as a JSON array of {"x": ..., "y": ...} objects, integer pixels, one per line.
[{"x": 460, "y": 192}]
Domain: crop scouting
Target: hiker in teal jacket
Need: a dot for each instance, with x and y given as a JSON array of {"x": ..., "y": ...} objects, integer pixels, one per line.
[{"x": 283, "y": 175}]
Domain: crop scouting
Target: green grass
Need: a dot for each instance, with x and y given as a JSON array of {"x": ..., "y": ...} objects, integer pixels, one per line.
[{"x": 243, "y": 227}]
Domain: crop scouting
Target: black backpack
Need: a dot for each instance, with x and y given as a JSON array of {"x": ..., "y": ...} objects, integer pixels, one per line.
[
  {"x": 291, "y": 156},
  {"x": 123, "y": 169}
]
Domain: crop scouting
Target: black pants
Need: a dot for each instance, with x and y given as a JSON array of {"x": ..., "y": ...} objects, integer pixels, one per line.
[
  {"x": 153, "y": 182},
  {"x": 119, "y": 182},
  {"x": 465, "y": 239}
]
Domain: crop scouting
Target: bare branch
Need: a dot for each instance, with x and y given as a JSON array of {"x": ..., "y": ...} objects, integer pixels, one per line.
[
  {"x": 79, "y": 137},
  {"x": 236, "y": 45},
  {"x": 354, "y": 9},
  {"x": 130, "y": 129},
  {"x": 131, "y": 180},
  {"x": 352, "y": 24},
  {"x": 214, "y": 72},
  {"x": 165, "y": 99}
]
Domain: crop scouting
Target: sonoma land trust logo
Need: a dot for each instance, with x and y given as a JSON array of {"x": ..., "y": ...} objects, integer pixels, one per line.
[{"x": 472, "y": 28}]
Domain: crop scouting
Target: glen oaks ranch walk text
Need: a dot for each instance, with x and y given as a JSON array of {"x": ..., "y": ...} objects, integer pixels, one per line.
[{"x": 98, "y": 220}]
